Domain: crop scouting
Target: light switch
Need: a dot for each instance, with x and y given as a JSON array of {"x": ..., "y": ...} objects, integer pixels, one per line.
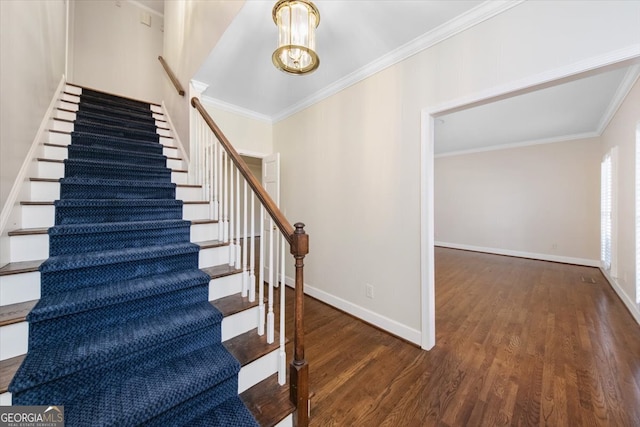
[{"x": 145, "y": 18}]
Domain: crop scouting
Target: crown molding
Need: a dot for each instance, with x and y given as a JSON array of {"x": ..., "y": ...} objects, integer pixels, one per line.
[
  {"x": 542, "y": 141},
  {"x": 199, "y": 86},
  {"x": 478, "y": 14},
  {"x": 231, "y": 108},
  {"x": 147, "y": 8},
  {"x": 623, "y": 90}
]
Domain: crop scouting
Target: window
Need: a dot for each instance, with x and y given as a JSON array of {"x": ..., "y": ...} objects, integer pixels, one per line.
[
  {"x": 605, "y": 211},
  {"x": 608, "y": 226}
]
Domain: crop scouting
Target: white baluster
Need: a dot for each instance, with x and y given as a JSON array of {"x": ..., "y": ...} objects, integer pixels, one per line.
[
  {"x": 252, "y": 256},
  {"x": 261, "y": 276},
  {"x": 282, "y": 356},
  {"x": 206, "y": 160},
  {"x": 270, "y": 315},
  {"x": 225, "y": 221},
  {"x": 245, "y": 243},
  {"x": 215, "y": 172},
  {"x": 232, "y": 206},
  {"x": 237, "y": 257}
]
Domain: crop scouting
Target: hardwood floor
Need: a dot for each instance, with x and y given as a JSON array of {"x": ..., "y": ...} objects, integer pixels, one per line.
[{"x": 519, "y": 342}]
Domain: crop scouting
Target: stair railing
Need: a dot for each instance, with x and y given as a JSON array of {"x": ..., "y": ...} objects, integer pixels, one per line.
[{"x": 233, "y": 192}]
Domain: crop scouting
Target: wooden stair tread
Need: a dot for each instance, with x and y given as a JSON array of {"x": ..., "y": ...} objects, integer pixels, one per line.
[
  {"x": 28, "y": 231},
  {"x": 233, "y": 304},
  {"x": 42, "y": 159},
  {"x": 211, "y": 244},
  {"x": 221, "y": 271},
  {"x": 20, "y": 267},
  {"x": 15, "y": 313},
  {"x": 8, "y": 369},
  {"x": 250, "y": 346},
  {"x": 203, "y": 221},
  {"x": 189, "y": 185},
  {"x": 44, "y": 180},
  {"x": 49, "y": 144},
  {"x": 268, "y": 401},
  {"x": 195, "y": 202}
]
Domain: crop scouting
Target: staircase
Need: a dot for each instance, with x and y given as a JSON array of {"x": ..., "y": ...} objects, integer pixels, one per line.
[{"x": 119, "y": 301}]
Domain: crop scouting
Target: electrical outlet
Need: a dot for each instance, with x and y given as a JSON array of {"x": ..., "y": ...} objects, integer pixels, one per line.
[{"x": 368, "y": 289}]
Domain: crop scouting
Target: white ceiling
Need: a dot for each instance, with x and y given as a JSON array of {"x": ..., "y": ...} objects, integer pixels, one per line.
[{"x": 356, "y": 38}]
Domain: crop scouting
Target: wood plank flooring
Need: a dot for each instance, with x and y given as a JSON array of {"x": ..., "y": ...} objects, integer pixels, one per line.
[{"x": 519, "y": 342}]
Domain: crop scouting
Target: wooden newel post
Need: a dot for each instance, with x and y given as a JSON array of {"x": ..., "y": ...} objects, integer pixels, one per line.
[{"x": 299, "y": 369}]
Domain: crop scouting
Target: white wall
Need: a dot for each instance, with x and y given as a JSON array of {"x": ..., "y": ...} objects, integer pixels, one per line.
[
  {"x": 248, "y": 135},
  {"x": 351, "y": 163},
  {"x": 114, "y": 52},
  {"x": 32, "y": 63},
  {"x": 192, "y": 28},
  {"x": 541, "y": 201},
  {"x": 621, "y": 132}
]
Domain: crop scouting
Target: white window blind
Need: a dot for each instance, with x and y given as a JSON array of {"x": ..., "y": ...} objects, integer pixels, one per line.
[{"x": 605, "y": 212}]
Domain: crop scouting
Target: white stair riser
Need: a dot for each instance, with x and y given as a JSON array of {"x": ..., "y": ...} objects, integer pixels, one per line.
[
  {"x": 211, "y": 257},
  {"x": 61, "y": 153},
  {"x": 190, "y": 194},
  {"x": 169, "y": 142},
  {"x": 179, "y": 177},
  {"x": 286, "y": 422},
  {"x": 50, "y": 170},
  {"x": 195, "y": 211},
  {"x": 5, "y": 399},
  {"x": 239, "y": 323},
  {"x": 62, "y": 126},
  {"x": 248, "y": 376},
  {"x": 13, "y": 340},
  {"x": 14, "y": 337},
  {"x": 65, "y": 126},
  {"x": 225, "y": 286},
  {"x": 175, "y": 164},
  {"x": 170, "y": 151},
  {"x": 73, "y": 89},
  {"x": 156, "y": 109},
  {"x": 40, "y": 216},
  {"x": 69, "y": 115},
  {"x": 64, "y": 115},
  {"x": 43, "y": 191},
  {"x": 204, "y": 232},
  {"x": 21, "y": 287},
  {"x": 258, "y": 370},
  {"x": 71, "y": 106},
  {"x": 30, "y": 247},
  {"x": 55, "y": 153},
  {"x": 59, "y": 138},
  {"x": 67, "y": 97}
]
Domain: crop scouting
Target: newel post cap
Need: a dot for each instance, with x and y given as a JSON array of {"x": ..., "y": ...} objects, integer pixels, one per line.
[{"x": 300, "y": 241}]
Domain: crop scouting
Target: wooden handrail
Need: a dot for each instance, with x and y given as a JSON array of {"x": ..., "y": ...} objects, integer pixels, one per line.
[
  {"x": 278, "y": 217},
  {"x": 299, "y": 243},
  {"x": 172, "y": 76}
]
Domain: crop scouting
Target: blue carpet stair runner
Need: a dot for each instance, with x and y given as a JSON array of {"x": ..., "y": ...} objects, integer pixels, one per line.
[{"x": 123, "y": 333}]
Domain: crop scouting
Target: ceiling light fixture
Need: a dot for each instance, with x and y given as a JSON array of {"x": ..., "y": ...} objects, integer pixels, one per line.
[{"x": 297, "y": 21}]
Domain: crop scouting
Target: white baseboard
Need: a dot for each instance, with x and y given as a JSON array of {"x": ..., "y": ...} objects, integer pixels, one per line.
[
  {"x": 378, "y": 320},
  {"x": 626, "y": 299},
  {"x": 520, "y": 254}
]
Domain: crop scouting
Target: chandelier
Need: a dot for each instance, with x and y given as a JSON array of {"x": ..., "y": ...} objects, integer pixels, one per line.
[{"x": 297, "y": 21}]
